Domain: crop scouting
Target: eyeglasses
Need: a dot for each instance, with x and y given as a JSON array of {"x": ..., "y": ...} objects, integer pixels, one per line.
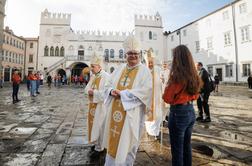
[{"x": 132, "y": 53}]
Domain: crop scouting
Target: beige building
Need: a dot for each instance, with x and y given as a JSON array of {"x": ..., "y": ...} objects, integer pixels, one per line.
[
  {"x": 13, "y": 54},
  {"x": 31, "y": 55},
  {"x": 2, "y": 14}
]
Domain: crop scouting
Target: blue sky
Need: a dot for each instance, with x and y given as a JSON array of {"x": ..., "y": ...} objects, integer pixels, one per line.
[
  {"x": 23, "y": 16},
  {"x": 189, "y": 12}
]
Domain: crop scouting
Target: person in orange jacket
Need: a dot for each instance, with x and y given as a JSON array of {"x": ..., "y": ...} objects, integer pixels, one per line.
[
  {"x": 183, "y": 87},
  {"x": 16, "y": 79},
  {"x": 33, "y": 80}
]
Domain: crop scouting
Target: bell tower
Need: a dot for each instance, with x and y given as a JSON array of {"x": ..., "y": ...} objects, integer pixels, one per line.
[{"x": 149, "y": 30}]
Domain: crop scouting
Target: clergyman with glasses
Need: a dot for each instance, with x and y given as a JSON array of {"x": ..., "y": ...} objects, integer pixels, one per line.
[{"x": 128, "y": 94}]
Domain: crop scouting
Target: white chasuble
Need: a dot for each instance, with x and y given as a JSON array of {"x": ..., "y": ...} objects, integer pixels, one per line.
[
  {"x": 118, "y": 114},
  {"x": 92, "y": 107},
  {"x": 96, "y": 113},
  {"x": 125, "y": 117}
]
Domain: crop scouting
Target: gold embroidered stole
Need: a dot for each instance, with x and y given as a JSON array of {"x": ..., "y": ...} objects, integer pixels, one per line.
[
  {"x": 92, "y": 106},
  {"x": 118, "y": 114},
  {"x": 151, "y": 113}
]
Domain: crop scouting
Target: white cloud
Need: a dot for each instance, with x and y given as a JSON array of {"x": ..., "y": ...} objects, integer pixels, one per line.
[{"x": 23, "y": 16}]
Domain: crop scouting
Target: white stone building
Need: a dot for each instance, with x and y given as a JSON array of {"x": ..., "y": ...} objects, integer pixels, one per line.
[
  {"x": 63, "y": 50},
  {"x": 221, "y": 40},
  {"x": 149, "y": 30},
  {"x": 31, "y": 55}
]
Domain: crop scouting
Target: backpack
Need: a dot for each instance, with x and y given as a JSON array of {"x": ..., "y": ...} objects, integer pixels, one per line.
[{"x": 211, "y": 84}]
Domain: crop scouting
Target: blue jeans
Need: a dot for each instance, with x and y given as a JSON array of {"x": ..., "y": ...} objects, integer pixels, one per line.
[
  {"x": 33, "y": 87},
  {"x": 37, "y": 85},
  {"x": 180, "y": 124}
]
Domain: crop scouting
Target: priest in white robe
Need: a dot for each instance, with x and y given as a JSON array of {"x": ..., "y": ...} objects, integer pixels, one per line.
[
  {"x": 165, "y": 72},
  {"x": 95, "y": 90},
  {"x": 154, "y": 115},
  {"x": 128, "y": 94}
]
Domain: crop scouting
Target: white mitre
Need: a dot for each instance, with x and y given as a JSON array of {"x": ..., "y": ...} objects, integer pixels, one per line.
[
  {"x": 131, "y": 44},
  {"x": 96, "y": 59},
  {"x": 150, "y": 56}
]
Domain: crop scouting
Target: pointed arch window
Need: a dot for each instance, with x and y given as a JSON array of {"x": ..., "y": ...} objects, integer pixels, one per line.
[
  {"x": 57, "y": 51},
  {"x": 62, "y": 51},
  {"x": 112, "y": 53},
  {"x": 150, "y": 35},
  {"x": 46, "y": 51},
  {"x": 121, "y": 53},
  {"x": 106, "y": 54},
  {"x": 52, "y": 51}
]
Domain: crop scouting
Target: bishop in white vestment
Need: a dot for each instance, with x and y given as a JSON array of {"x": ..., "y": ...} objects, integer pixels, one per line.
[
  {"x": 97, "y": 113},
  {"x": 128, "y": 94}
]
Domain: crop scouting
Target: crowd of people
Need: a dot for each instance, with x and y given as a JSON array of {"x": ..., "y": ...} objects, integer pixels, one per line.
[
  {"x": 33, "y": 82},
  {"x": 135, "y": 97},
  {"x": 81, "y": 80},
  {"x": 35, "y": 79}
]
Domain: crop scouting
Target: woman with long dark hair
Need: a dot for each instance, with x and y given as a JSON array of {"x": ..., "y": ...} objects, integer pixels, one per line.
[{"x": 182, "y": 88}]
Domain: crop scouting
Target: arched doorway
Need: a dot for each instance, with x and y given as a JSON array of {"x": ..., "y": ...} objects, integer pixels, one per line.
[
  {"x": 112, "y": 69},
  {"x": 77, "y": 68},
  {"x": 61, "y": 72}
]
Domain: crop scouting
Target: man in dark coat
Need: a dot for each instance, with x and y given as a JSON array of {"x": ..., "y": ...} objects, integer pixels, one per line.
[
  {"x": 216, "y": 83},
  {"x": 49, "y": 80},
  {"x": 202, "y": 101},
  {"x": 250, "y": 81}
]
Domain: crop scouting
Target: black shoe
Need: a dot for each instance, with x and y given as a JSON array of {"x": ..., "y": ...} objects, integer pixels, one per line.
[
  {"x": 18, "y": 100},
  {"x": 38, "y": 92},
  {"x": 208, "y": 119},
  {"x": 94, "y": 154},
  {"x": 200, "y": 118},
  {"x": 92, "y": 148},
  {"x": 14, "y": 101}
]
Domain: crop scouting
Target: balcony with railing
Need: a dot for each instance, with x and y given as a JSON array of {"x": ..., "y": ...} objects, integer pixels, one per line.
[
  {"x": 78, "y": 58},
  {"x": 116, "y": 59}
]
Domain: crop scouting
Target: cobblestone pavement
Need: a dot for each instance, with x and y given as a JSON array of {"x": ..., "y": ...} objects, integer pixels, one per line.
[{"x": 51, "y": 129}]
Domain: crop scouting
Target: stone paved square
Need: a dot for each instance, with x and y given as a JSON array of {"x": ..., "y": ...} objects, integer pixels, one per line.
[{"x": 51, "y": 130}]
